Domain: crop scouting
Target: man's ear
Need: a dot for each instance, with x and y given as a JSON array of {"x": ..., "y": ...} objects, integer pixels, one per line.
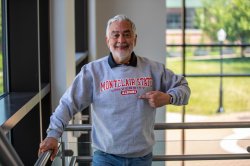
[
  {"x": 107, "y": 41},
  {"x": 135, "y": 40}
]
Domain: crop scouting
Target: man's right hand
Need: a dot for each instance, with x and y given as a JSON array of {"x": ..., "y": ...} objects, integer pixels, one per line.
[{"x": 49, "y": 143}]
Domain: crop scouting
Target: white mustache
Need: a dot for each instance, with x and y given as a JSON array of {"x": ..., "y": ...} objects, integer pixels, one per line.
[{"x": 122, "y": 45}]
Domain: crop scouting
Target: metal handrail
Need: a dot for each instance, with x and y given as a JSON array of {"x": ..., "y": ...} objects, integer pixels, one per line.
[
  {"x": 194, "y": 157},
  {"x": 43, "y": 158},
  {"x": 201, "y": 125},
  {"x": 78, "y": 127},
  {"x": 8, "y": 154},
  {"x": 201, "y": 157},
  {"x": 168, "y": 126},
  {"x": 164, "y": 126}
]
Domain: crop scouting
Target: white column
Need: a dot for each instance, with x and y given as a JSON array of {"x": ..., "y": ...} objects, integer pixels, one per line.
[
  {"x": 62, "y": 47},
  {"x": 62, "y": 29}
]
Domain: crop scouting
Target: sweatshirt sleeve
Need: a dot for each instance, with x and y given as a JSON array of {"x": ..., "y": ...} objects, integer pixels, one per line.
[
  {"x": 176, "y": 86},
  {"x": 76, "y": 98}
]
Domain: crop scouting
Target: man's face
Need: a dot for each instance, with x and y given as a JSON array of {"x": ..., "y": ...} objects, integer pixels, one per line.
[{"x": 121, "y": 41}]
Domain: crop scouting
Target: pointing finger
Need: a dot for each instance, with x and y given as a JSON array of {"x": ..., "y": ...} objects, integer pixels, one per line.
[
  {"x": 147, "y": 95},
  {"x": 144, "y": 96}
]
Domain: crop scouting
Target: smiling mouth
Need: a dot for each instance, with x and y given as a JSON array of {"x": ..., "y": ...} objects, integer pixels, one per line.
[{"x": 122, "y": 46}]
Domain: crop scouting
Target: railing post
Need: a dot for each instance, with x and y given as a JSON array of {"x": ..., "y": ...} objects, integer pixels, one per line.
[
  {"x": 62, "y": 153},
  {"x": 248, "y": 149}
]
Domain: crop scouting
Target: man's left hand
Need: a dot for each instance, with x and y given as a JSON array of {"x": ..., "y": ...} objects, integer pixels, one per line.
[{"x": 156, "y": 98}]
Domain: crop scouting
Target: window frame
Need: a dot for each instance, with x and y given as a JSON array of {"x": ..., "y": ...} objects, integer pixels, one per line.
[{"x": 4, "y": 49}]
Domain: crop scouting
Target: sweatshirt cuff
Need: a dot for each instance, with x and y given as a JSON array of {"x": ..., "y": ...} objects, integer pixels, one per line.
[
  {"x": 173, "y": 98},
  {"x": 54, "y": 134}
]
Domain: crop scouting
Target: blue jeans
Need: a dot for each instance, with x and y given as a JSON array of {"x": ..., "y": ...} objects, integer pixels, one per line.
[{"x": 104, "y": 159}]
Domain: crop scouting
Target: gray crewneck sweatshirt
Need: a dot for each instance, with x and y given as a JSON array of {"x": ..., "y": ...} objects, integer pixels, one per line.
[{"x": 122, "y": 124}]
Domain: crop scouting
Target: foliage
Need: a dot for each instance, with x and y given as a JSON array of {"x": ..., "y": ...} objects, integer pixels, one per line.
[
  {"x": 1, "y": 73},
  {"x": 205, "y": 90},
  {"x": 231, "y": 15},
  {"x": 1, "y": 25}
]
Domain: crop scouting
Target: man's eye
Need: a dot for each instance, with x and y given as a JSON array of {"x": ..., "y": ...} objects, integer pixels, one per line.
[
  {"x": 115, "y": 35},
  {"x": 127, "y": 35}
]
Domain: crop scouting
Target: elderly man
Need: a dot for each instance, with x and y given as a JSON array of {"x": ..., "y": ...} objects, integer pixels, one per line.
[{"x": 124, "y": 89}]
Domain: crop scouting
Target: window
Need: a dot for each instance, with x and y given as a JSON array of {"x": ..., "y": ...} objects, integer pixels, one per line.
[
  {"x": 174, "y": 21},
  {"x": 199, "y": 55},
  {"x": 218, "y": 72},
  {"x": 2, "y": 14},
  {"x": 27, "y": 104}
]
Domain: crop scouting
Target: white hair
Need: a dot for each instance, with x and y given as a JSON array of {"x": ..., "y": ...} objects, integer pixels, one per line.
[{"x": 120, "y": 18}]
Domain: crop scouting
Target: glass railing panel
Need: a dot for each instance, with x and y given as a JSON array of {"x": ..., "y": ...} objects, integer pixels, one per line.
[
  {"x": 198, "y": 142},
  {"x": 203, "y": 163},
  {"x": 72, "y": 150},
  {"x": 58, "y": 160},
  {"x": 217, "y": 163},
  {"x": 206, "y": 141},
  {"x": 212, "y": 145}
]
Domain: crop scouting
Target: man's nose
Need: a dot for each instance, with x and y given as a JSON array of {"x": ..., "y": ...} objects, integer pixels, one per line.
[{"x": 121, "y": 39}]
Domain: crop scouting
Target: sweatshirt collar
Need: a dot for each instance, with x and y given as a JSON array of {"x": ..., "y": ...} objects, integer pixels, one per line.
[{"x": 132, "y": 61}]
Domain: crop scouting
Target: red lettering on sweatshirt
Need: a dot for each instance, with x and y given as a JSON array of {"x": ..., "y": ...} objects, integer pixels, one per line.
[
  {"x": 128, "y": 92},
  {"x": 126, "y": 82}
]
